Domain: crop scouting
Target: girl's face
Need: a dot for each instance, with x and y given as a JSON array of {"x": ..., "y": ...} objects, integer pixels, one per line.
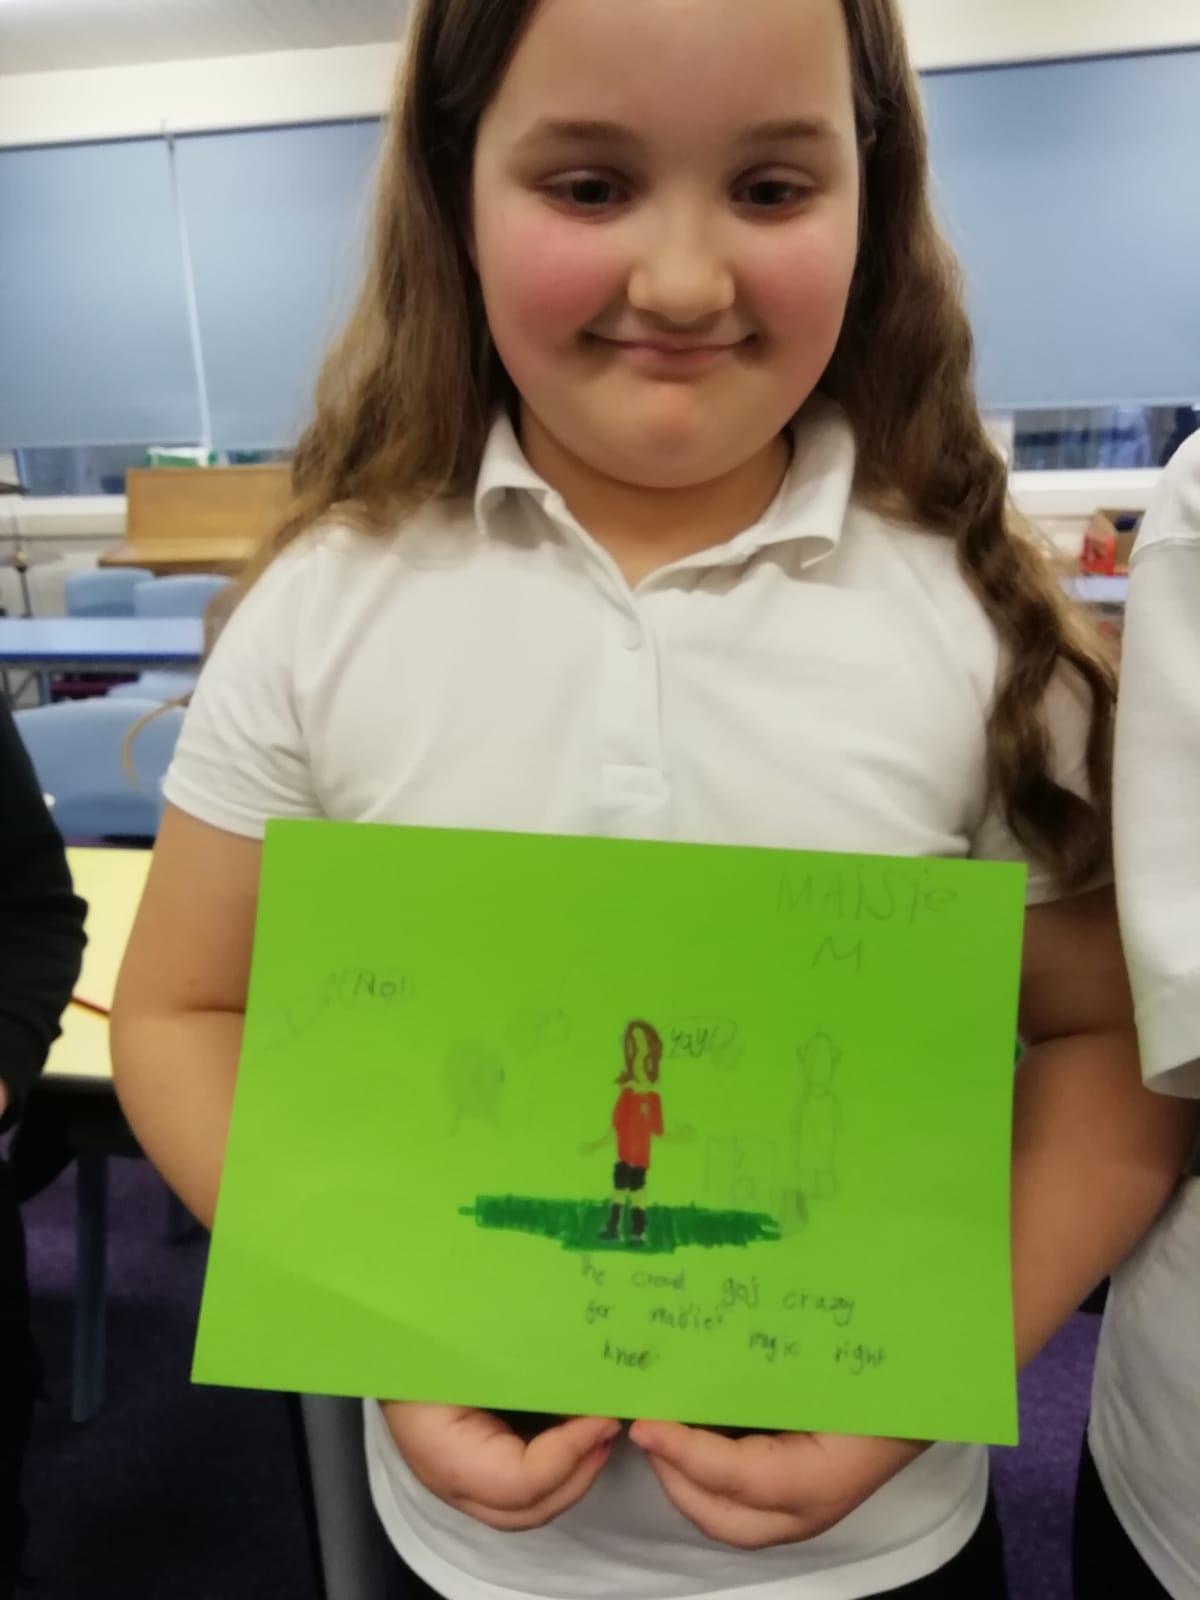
[
  {"x": 665, "y": 225},
  {"x": 639, "y": 1055}
]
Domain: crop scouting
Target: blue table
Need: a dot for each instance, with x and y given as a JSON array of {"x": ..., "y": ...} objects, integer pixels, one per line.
[
  {"x": 41, "y": 645},
  {"x": 99, "y": 644}
]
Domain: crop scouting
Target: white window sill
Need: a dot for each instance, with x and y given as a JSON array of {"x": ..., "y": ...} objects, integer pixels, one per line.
[{"x": 1038, "y": 494}]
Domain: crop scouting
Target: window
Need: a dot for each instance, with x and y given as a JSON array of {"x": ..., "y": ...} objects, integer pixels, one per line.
[{"x": 1088, "y": 440}]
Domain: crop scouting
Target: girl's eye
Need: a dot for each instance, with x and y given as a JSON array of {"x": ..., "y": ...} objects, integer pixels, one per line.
[
  {"x": 774, "y": 194},
  {"x": 586, "y": 193}
]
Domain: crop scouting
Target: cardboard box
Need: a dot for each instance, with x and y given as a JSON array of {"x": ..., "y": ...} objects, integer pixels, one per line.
[{"x": 1108, "y": 543}]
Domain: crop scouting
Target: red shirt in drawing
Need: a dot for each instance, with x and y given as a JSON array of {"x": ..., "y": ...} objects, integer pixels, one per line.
[{"x": 637, "y": 1118}]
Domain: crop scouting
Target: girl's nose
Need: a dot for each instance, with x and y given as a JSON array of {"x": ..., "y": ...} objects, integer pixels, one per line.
[{"x": 681, "y": 274}]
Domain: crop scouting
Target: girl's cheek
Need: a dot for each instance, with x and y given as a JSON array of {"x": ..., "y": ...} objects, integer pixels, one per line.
[
  {"x": 800, "y": 292},
  {"x": 552, "y": 276}
]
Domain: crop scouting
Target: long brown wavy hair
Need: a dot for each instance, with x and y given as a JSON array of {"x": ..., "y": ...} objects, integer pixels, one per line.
[
  {"x": 408, "y": 393},
  {"x": 652, "y": 1039}
]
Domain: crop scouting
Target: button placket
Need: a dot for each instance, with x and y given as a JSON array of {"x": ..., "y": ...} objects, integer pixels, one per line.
[{"x": 631, "y": 745}]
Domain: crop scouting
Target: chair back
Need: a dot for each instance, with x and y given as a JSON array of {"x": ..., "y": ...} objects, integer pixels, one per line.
[
  {"x": 187, "y": 596},
  {"x": 78, "y": 748},
  {"x": 352, "y": 1544},
  {"x": 157, "y": 686},
  {"x": 103, "y": 591}
]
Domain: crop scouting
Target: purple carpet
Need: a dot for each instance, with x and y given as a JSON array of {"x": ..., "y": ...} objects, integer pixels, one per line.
[{"x": 175, "y": 1493}]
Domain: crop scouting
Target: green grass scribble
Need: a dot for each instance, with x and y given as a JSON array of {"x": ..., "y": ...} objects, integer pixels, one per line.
[{"x": 577, "y": 1224}]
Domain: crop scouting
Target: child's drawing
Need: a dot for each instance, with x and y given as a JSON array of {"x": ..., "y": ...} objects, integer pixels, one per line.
[
  {"x": 473, "y": 1083},
  {"x": 626, "y": 1220},
  {"x": 534, "y": 1030},
  {"x": 637, "y": 1121},
  {"x": 741, "y": 1172},
  {"x": 816, "y": 1129}
]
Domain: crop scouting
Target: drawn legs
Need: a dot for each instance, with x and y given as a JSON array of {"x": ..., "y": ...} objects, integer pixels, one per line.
[{"x": 627, "y": 1182}]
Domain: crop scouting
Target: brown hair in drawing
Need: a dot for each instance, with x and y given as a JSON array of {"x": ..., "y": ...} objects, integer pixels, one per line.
[{"x": 643, "y": 1053}]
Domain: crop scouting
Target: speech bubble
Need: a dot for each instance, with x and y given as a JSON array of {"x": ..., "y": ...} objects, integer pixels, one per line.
[{"x": 699, "y": 1038}]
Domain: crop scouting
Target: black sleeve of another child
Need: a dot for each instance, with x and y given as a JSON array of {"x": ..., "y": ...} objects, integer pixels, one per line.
[{"x": 41, "y": 922}]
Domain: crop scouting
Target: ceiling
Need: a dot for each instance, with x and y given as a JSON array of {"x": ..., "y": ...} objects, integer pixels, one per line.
[{"x": 52, "y": 35}]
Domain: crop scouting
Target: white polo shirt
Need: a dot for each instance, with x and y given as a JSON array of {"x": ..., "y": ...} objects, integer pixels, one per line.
[
  {"x": 1145, "y": 1431},
  {"x": 822, "y": 681}
]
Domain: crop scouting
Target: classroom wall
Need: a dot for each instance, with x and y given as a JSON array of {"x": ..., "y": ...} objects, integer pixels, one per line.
[
  {"x": 280, "y": 88},
  {"x": 965, "y": 33},
  {"x": 1063, "y": 185}
]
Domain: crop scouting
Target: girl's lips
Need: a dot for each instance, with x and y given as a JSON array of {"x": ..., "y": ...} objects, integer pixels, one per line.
[{"x": 653, "y": 354}]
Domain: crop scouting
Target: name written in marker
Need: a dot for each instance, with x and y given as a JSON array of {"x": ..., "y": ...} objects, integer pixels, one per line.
[{"x": 891, "y": 893}]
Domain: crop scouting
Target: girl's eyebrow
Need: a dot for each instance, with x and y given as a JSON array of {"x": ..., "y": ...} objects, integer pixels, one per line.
[{"x": 552, "y": 131}]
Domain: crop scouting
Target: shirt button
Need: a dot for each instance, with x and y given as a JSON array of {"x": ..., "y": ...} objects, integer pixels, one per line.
[{"x": 632, "y": 639}]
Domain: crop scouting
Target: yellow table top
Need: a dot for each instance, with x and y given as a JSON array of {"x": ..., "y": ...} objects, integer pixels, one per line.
[{"x": 111, "y": 881}]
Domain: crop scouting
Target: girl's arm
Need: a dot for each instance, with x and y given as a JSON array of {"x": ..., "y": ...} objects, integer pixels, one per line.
[
  {"x": 180, "y": 1002},
  {"x": 176, "y": 1036},
  {"x": 1095, "y": 1155}
]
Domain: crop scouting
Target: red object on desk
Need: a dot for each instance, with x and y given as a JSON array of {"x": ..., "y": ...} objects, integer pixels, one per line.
[{"x": 89, "y": 1005}]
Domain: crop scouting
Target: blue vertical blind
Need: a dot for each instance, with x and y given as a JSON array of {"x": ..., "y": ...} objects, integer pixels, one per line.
[
  {"x": 277, "y": 222},
  {"x": 1072, "y": 194},
  {"x": 94, "y": 345}
]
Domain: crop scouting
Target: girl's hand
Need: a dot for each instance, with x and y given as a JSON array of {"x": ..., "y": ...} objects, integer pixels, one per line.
[
  {"x": 476, "y": 1463},
  {"x": 765, "y": 1490}
]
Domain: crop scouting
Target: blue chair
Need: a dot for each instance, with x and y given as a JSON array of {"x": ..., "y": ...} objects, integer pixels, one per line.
[
  {"x": 103, "y": 591},
  {"x": 187, "y": 596},
  {"x": 161, "y": 687},
  {"x": 78, "y": 751}
]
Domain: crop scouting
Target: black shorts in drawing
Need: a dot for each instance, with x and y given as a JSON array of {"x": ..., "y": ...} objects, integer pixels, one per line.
[{"x": 627, "y": 1177}]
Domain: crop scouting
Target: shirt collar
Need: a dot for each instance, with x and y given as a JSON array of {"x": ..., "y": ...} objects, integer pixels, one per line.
[{"x": 810, "y": 508}]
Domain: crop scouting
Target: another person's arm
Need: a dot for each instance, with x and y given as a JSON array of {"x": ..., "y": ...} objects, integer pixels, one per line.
[
  {"x": 1157, "y": 822},
  {"x": 1096, "y": 1156},
  {"x": 41, "y": 925}
]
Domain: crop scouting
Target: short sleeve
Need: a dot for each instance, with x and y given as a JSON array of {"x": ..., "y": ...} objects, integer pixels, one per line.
[
  {"x": 241, "y": 757},
  {"x": 1157, "y": 789},
  {"x": 1069, "y": 719}
]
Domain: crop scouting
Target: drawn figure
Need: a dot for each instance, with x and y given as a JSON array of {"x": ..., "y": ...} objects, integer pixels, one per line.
[
  {"x": 741, "y": 1173},
  {"x": 637, "y": 1120},
  {"x": 473, "y": 1082},
  {"x": 531, "y": 1031},
  {"x": 817, "y": 1119}
]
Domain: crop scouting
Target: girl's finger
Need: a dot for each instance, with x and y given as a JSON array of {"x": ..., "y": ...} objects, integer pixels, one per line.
[
  {"x": 709, "y": 1460},
  {"x": 441, "y": 1443},
  {"x": 518, "y": 1477},
  {"x": 546, "y": 1510},
  {"x": 722, "y": 1519}
]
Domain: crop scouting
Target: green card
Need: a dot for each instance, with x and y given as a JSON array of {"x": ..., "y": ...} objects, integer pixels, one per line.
[{"x": 568, "y": 1125}]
